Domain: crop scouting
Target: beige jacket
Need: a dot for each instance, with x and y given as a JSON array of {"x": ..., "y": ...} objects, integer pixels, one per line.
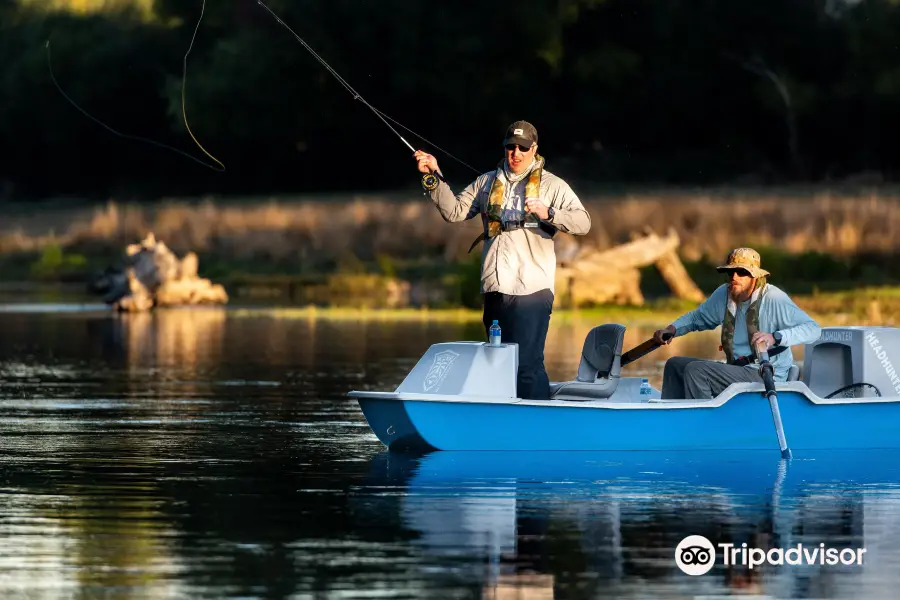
[{"x": 522, "y": 261}]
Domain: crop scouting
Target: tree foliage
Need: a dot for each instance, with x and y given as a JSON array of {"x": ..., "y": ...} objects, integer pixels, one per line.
[{"x": 620, "y": 90}]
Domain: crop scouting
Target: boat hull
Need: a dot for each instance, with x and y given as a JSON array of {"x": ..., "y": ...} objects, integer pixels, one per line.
[{"x": 740, "y": 419}]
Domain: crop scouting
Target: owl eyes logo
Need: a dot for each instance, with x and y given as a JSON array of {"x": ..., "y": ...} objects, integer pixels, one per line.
[{"x": 695, "y": 555}]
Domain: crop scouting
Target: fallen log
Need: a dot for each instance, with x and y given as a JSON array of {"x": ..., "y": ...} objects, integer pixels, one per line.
[
  {"x": 154, "y": 276},
  {"x": 591, "y": 276}
]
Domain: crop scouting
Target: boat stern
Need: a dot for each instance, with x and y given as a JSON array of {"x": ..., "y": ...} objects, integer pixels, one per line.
[{"x": 387, "y": 417}]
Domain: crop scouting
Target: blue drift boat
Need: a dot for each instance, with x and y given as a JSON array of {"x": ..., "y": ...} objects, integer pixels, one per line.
[{"x": 462, "y": 396}]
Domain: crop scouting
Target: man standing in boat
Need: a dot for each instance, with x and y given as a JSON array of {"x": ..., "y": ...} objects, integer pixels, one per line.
[
  {"x": 522, "y": 205},
  {"x": 749, "y": 310}
]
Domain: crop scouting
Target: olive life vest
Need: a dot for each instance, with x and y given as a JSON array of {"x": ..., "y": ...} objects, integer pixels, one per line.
[{"x": 491, "y": 214}]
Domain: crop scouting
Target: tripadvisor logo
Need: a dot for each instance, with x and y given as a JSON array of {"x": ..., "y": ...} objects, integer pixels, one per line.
[{"x": 696, "y": 555}]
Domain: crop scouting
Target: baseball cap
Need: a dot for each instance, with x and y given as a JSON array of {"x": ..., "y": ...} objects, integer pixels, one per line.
[{"x": 521, "y": 132}]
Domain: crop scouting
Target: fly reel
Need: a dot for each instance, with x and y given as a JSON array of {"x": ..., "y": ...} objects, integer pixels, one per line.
[{"x": 430, "y": 181}]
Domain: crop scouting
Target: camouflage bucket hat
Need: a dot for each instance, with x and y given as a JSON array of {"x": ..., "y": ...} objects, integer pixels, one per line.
[{"x": 744, "y": 258}]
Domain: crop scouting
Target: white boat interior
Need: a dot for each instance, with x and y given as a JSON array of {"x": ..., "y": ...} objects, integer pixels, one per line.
[{"x": 846, "y": 364}]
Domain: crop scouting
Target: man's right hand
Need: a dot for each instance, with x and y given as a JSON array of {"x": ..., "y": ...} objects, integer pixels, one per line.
[
  {"x": 425, "y": 162},
  {"x": 659, "y": 333}
]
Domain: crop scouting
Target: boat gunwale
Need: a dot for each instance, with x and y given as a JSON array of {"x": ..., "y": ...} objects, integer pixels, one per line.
[{"x": 729, "y": 393}]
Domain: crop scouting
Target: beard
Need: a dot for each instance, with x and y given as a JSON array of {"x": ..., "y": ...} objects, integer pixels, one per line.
[{"x": 739, "y": 294}]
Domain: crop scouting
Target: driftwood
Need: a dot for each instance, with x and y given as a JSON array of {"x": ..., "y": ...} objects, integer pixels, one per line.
[
  {"x": 612, "y": 275},
  {"x": 154, "y": 276},
  {"x": 517, "y": 586}
]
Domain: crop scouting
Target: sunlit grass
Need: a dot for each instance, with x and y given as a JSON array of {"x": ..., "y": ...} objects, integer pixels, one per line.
[
  {"x": 84, "y": 7},
  {"x": 869, "y": 306},
  {"x": 453, "y": 315}
]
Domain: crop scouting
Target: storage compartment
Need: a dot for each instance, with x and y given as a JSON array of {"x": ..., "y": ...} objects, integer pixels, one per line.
[
  {"x": 851, "y": 356},
  {"x": 831, "y": 368}
]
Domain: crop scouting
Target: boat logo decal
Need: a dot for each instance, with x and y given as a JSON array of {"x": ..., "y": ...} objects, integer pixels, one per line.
[
  {"x": 439, "y": 370},
  {"x": 837, "y": 336},
  {"x": 884, "y": 359}
]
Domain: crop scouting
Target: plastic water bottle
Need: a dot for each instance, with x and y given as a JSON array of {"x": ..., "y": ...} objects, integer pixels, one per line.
[
  {"x": 494, "y": 334},
  {"x": 646, "y": 390}
]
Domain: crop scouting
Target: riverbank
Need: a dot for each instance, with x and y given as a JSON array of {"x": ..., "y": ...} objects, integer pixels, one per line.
[
  {"x": 833, "y": 284},
  {"x": 393, "y": 250},
  {"x": 814, "y": 233},
  {"x": 870, "y": 306},
  {"x": 863, "y": 306}
]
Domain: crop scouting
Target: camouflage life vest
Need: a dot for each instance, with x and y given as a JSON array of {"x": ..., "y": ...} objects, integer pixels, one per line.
[
  {"x": 752, "y": 320},
  {"x": 491, "y": 214}
]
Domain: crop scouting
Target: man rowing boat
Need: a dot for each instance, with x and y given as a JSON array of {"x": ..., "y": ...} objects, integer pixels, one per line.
[{"x": 750, "y": 310}]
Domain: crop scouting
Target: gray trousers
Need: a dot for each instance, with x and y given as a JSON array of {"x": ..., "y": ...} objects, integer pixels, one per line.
[{"x": 698, "y": 378}]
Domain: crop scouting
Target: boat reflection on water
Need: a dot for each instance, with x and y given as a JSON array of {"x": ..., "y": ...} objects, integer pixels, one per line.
[{"x": 592, "y": 524}]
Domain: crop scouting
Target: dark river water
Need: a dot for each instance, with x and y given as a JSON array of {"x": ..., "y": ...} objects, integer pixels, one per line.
[{"x": 215, "y": 454}]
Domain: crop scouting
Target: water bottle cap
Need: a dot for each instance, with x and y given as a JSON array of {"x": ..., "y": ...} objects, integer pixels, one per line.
[{"x": 495, "y": 322}]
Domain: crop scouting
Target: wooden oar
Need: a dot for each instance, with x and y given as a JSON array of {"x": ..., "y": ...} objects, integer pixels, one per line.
[
  {"x": 642, "y": 349},
  {"x": 768, "y": 376}
]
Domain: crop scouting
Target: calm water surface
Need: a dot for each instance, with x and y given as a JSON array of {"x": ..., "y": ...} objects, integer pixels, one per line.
[{"x": 215, "y": 454}]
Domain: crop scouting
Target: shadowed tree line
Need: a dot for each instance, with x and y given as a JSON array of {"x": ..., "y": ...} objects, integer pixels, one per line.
[{"x": 709, "y": 91}]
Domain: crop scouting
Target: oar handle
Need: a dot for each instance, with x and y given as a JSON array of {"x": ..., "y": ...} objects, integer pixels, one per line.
[
  {"x": 643, "y": 349},
  {"x": 762, "y": 351}
]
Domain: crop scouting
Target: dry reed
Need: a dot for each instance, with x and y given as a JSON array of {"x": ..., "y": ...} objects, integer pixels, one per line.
[{"x": 318, "y": 230}]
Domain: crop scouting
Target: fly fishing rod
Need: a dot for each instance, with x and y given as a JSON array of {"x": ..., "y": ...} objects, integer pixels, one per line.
[{"x": 429, "y": 180}]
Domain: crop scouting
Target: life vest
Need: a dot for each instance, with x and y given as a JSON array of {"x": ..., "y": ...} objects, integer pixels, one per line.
[
  {"x": 491, "y": 213},
  {"x": 752, "y": 321}
]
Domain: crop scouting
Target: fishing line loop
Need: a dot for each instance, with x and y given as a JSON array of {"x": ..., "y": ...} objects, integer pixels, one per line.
[{"x": 220, "y": 168}]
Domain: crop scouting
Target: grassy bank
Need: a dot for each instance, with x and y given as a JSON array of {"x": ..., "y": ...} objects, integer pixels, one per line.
[
  {"x": 863, "y": 306},
  {"x": 300, "y": 250},
  {"x": 432, "y": 282},
  {"x": 866, "y": 306}
]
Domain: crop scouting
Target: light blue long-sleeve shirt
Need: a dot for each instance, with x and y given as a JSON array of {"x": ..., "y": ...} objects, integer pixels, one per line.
[{"x": 777, "y": 313}]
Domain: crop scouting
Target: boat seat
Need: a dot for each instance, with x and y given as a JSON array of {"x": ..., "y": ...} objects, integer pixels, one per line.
[
  {"x": 598, "y": 370},
  {"x": 794, "y": 373}
]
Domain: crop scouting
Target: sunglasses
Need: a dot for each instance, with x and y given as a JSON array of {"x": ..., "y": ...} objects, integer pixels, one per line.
[
  {"x": 523, "y": 149},
  {"x": 740, "y": 272}
]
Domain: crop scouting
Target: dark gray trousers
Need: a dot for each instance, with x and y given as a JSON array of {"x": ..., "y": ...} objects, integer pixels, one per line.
[
  {"x": 524, "y": 320},
  {"x": 698, "y": 378}
]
